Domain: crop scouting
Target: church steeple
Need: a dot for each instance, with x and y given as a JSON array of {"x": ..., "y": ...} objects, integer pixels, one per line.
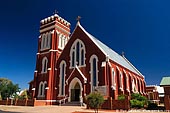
[{"x": 54, "y": 34}]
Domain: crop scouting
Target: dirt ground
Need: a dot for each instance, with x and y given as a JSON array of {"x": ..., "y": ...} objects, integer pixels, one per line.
[{"x": 59, "y": 109}]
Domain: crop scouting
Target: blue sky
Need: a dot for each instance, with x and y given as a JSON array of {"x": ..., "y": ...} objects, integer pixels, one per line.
[{"x": 140, "y": 28}]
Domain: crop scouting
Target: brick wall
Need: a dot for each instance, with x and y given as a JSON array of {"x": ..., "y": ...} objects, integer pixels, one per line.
[
  {"x": 167, "y": 102},
  {"x": 116, "y": 104}
]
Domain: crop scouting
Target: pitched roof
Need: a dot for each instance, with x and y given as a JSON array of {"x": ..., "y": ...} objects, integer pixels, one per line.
[
  {"x": 165, "y": 81},
  {"x": 110, "y": 53}
]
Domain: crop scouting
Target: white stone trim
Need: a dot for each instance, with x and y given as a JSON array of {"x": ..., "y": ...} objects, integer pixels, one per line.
[
  {"x": 85, "y": 79},
  {"x": 35, "y": 71},
  {"x": 49, "y": 69},
  {"x": 47, "y": 100},
  {"x": 103, "y": 64}
]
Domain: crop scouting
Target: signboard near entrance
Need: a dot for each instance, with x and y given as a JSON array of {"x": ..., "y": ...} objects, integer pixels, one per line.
[{"x": 102, "y": 90}]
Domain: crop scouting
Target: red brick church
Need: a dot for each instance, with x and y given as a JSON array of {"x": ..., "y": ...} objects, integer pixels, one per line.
[{"x": 69, "y": 66}]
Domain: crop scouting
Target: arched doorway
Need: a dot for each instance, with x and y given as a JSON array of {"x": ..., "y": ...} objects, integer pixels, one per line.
[
  {"x": 75, "y": 90},
  {"x": 75, "y": 93}
]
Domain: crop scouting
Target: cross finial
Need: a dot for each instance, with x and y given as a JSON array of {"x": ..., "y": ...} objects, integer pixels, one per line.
[
  {"x": 55, "y": 12},
  {"x": 78, "y": 18},
  {"x": 123, "y": 53}
]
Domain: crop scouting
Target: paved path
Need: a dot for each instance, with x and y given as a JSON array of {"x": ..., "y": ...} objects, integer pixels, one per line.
[
  {"x": 41, "y": 109},
  {"x": 58, "y": 109}
]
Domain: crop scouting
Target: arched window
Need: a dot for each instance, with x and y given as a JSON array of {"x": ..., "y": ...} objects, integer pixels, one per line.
[
  {"x": 42, "y": 41},
  {"x": 46, "y": 41},
  {"x": 82, "y": 57},
  {"x": 44, "y": 65},
  {"x": 77, "y": 53},
  {"x": 40, "y": 91},
  {"x": 42, "y": 86},
  {"x": 73, "y": 59},
  {"x": 127, "y": 82},
  {"x": 62, "y": 78},
  {"x": 94, "y": 72},
  {"x": 133, "y": 86},
  {"x": 113, "y": 79},
  {"x": 120, "y": 81},
  {"x": 62, "y": 41},
  {"x": 49, "y": 40}
]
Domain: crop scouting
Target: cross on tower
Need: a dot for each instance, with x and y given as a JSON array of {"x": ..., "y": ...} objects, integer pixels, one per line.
[
  {"x": 78, "y": 18},
  {"x": 55, "y": 12}
]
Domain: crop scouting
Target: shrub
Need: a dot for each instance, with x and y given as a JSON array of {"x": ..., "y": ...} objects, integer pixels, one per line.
[
  {"x": 121, "y": 97},
  {"x": 95, "y": 100},
  {"x": 137, "y": 101}
]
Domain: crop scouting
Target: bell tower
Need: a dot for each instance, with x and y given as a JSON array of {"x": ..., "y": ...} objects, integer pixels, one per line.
[{"x": 54, "y": 35}]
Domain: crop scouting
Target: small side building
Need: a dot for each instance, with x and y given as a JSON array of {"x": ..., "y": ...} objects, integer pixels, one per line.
[
  {"x": 165, "y": 83},
  {"x": 155, "y": 94}
]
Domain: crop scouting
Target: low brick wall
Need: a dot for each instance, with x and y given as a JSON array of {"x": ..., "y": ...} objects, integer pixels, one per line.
[
  {"x": 116, "y": 104},
  {"x": 120, "y": 104},
  {"x": 26, "y": 102},
  {"x": 21, "y": 102},
  {"x": 3, "y": 102}
]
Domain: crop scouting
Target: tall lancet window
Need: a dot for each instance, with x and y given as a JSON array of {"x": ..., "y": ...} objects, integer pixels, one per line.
[
  {"x": 113, "y": 80},
  {"x": 94, "y": 72},
  {"x": 46, "y": 41},
  {"x": 44, "y": 65},
  {"x": 49, "y": 40},
  {"x": 120, "y": 81},
  {"x": 77, "y": 54},
  {"x": 41, "y": 91},
  {"x": 62, "y": 78},
  {"x": 62, "y": 41}
]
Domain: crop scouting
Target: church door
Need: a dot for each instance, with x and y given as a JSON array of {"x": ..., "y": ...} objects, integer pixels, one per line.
[{"x": 75, "y": 93}]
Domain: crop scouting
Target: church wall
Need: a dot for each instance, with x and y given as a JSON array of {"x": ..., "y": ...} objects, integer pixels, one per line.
[
  {"x": 85, "y": 70},
  {"x": 127, "y": 85}
]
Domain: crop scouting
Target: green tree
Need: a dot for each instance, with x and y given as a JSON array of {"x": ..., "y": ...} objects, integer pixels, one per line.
[
  {"x": 137, "y": 100},
  {"x": 95, "y": 100},
  {"x": 7, "y": 88}
]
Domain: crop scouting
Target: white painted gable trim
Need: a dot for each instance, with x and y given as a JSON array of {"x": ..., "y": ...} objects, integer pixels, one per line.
[
  {"x": 85, "y": 79},
  {"x": 78, "y": 24}
]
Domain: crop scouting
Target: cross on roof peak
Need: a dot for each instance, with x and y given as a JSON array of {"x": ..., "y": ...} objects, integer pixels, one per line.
[
  {"x": 55, "y": 11},
  {"x": 78, "y": 18}
]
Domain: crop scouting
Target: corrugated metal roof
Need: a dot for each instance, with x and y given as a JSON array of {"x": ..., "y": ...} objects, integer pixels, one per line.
[
  {"x": 165, "y": 81},
  {"x": 112, "y": 54}
]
